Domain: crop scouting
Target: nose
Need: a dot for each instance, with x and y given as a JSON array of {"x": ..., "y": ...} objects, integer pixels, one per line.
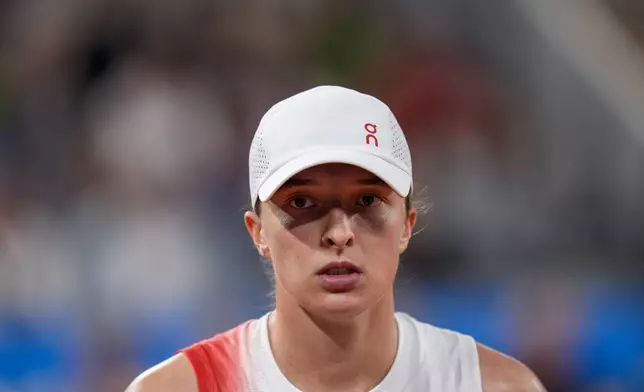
[{"x": 338, "y": 233}]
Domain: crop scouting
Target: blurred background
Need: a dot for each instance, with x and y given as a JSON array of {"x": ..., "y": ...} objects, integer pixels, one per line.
[{"x": 124, "y": 133}]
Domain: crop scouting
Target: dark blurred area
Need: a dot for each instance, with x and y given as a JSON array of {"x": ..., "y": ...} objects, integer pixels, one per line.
[{"x": 124, "y": 136}]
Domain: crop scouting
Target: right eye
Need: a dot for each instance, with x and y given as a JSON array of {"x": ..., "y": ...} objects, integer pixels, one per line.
[{"x": 301, "y": 202}]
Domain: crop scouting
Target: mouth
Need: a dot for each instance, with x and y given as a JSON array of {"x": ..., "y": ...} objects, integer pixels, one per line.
[
  {"x": 340, "y": 277},
  {"x": 339, "y": 268}
]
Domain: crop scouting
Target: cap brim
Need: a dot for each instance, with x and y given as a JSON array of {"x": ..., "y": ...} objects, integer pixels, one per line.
[{"x": 398, "y": 179}]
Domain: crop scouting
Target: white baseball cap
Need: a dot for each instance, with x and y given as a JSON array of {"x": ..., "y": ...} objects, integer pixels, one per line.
[{"x": 327, "y": 124}]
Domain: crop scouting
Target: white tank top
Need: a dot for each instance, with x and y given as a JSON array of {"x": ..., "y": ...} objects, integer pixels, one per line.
[{"x": 428, "y": 359}]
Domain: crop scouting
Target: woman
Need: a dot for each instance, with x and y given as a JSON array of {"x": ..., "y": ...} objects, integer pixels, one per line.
[{"x": 331, "y": 182}]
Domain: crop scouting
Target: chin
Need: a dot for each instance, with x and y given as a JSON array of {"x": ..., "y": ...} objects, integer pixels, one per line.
[{"x": 340, "y": 306}]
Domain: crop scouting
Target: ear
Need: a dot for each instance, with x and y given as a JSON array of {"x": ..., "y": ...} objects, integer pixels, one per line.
[
  {"x": 254, "y": 227},
  {"x": 408, "y": 230}
]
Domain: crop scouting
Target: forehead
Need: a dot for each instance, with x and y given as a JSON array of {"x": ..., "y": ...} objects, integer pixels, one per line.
[{"x": 336, "y": 174}]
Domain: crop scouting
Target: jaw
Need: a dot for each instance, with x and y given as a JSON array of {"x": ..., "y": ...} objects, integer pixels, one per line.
[
  {"x": 310, "y": 297},
  {"x": 346, "y": 319},
  {"x": 340, "y": 306},
  {"x": 346, "y": 309}
]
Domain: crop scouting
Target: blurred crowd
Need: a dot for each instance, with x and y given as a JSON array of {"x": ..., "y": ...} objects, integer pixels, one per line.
[{"x": 124, "y": 133}]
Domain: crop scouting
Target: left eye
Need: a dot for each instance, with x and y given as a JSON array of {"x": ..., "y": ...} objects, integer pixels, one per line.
[{"x": 369, "y": 201}]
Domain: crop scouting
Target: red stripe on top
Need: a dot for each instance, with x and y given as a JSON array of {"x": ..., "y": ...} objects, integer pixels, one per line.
[{"x": 217, "y": 361}]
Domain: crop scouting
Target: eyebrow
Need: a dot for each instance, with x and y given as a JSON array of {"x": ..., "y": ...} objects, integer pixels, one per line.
[
  {"x": 294, "y": 182},
  {"x": 372, "y": 181}
]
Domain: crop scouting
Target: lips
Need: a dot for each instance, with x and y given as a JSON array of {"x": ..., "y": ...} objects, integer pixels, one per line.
[
  {"x": 339, "y": 268},
  {"x": 340, "y": 277}
]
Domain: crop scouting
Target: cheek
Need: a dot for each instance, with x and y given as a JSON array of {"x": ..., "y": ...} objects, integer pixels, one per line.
[
  {"x": 282, "y": 219},
  {"x": 380, "y": 233},
  {"x": 289, "y": 248},
  {"x": 382, "y": 223}
]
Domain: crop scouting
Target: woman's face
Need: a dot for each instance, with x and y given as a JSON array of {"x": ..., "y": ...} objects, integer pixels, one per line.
[{"x": 334, "y": 234}]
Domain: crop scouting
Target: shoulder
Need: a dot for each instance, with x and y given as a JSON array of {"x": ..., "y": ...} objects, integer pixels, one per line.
[
  {"x": 501, "y": 373},
  {"x": 175, "y": 374},
  {"x": 498, "y": 372},
  {"x": 208, "y": 365}
]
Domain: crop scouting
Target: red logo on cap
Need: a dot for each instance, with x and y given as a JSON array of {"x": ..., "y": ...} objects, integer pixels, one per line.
[{"x": 371, "y": 134}]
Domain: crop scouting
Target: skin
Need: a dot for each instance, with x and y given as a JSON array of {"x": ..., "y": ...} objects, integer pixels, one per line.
[{"x": 330, "y": 213}]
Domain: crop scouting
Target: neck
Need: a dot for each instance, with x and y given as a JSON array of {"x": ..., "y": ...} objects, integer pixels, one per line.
[{"x": 317, "y": 353}]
